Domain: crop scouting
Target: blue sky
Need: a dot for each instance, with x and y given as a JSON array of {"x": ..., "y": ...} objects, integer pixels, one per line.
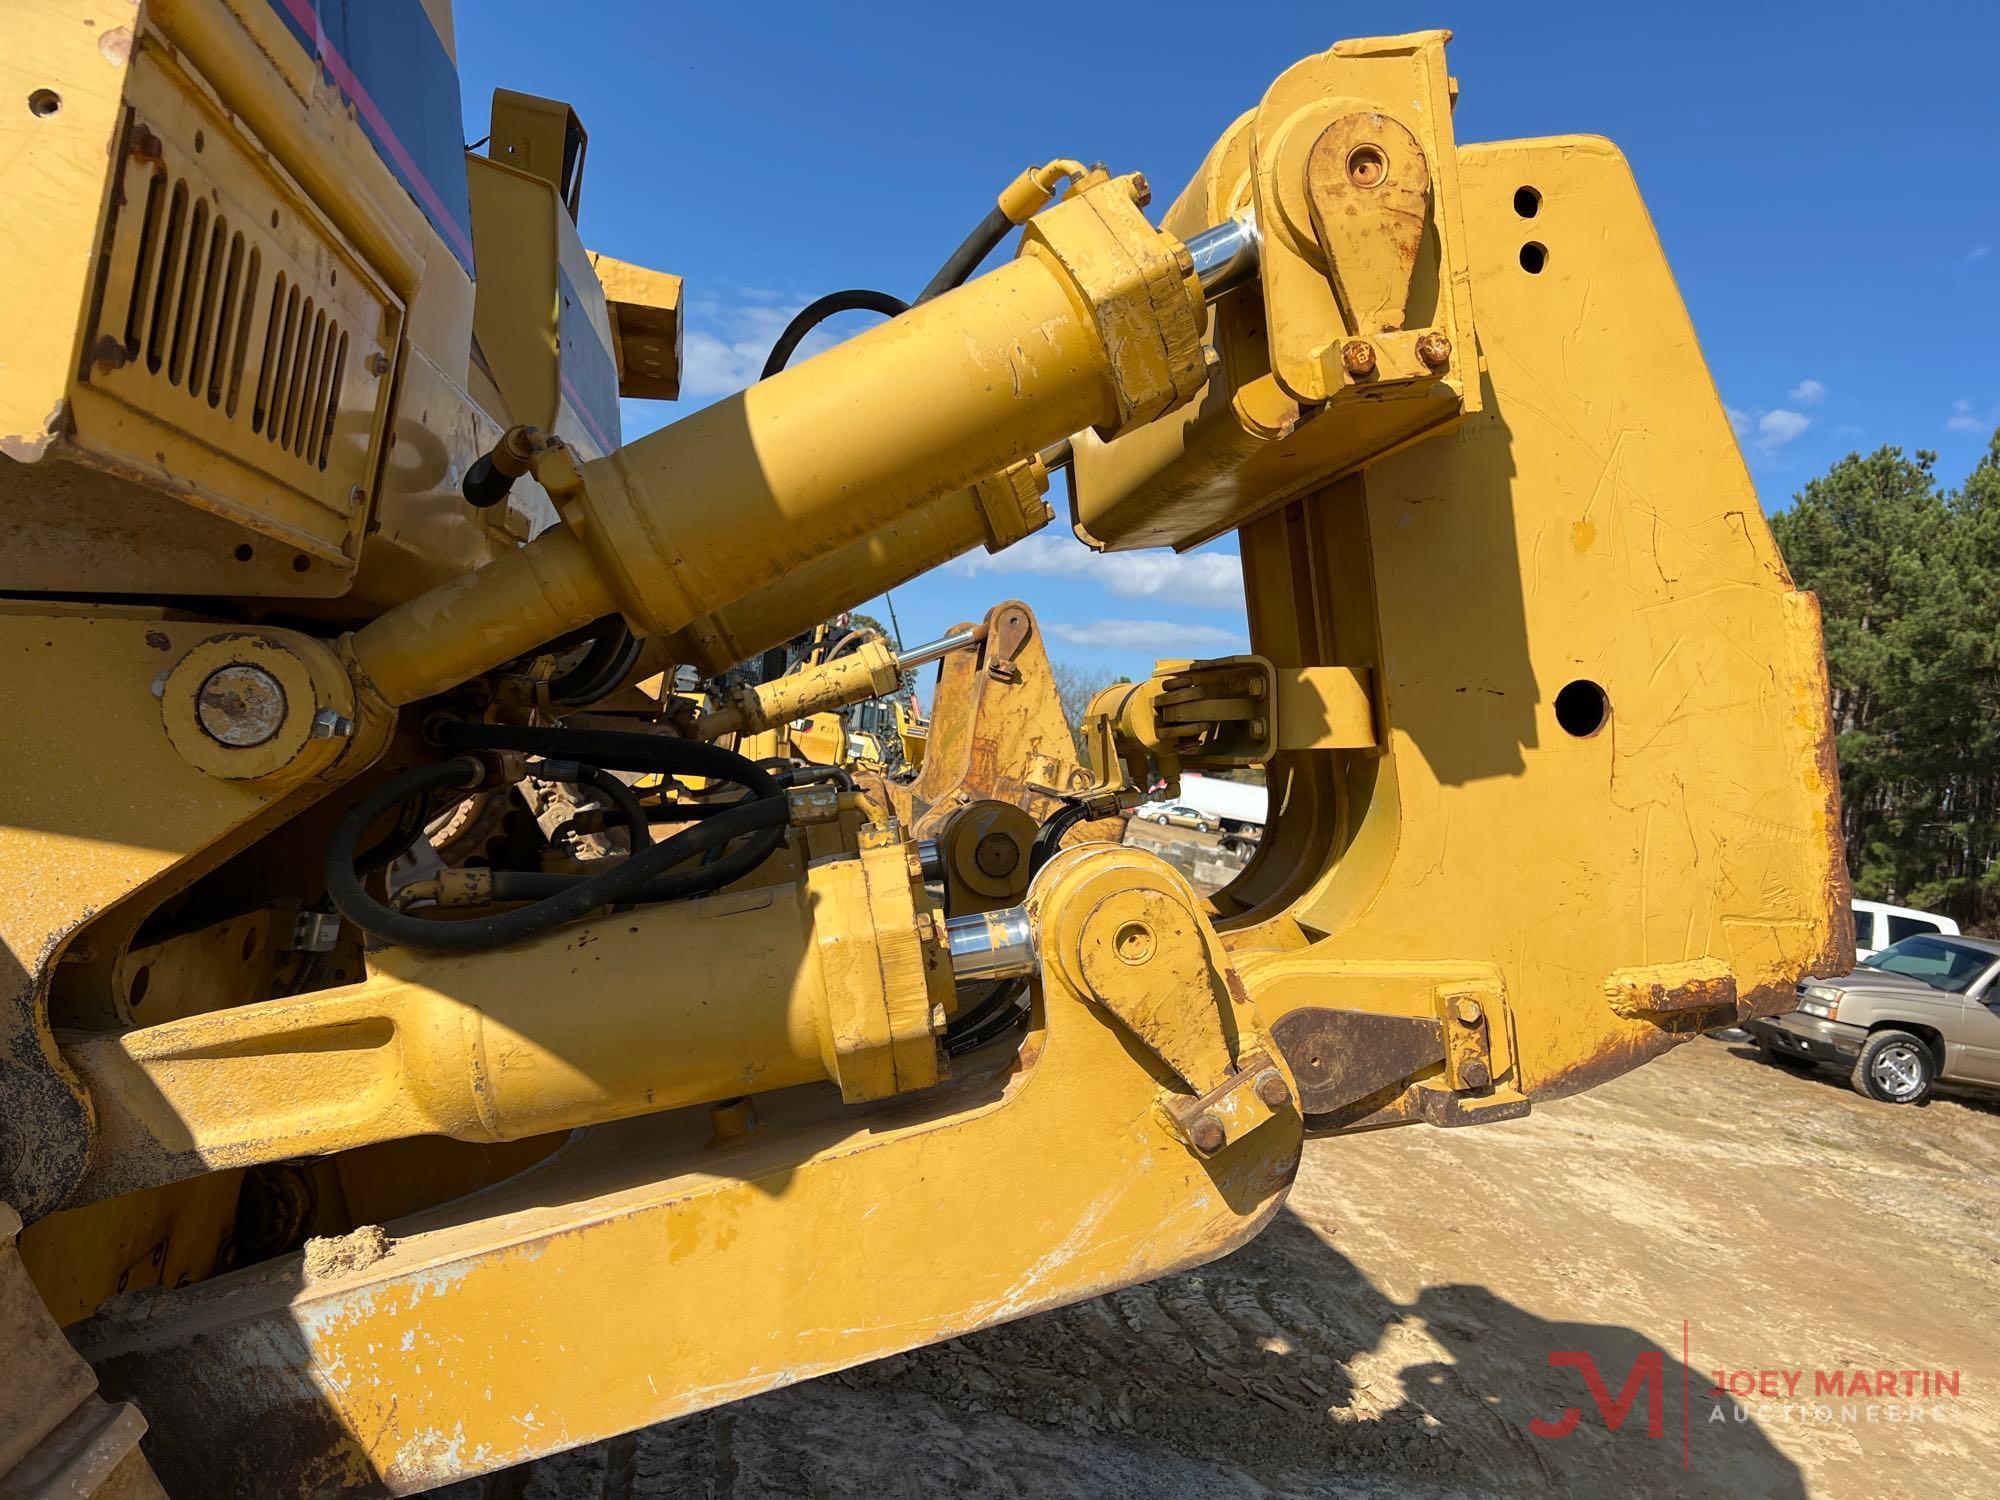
[{"x": 1823, "y": 178}]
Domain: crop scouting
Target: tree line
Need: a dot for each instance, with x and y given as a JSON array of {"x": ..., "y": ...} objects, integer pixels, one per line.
[{"x": 1908, "y": 578}]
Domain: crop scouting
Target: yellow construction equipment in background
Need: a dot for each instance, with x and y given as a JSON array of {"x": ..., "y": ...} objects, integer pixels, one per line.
[{"x": 434, "y": 1033}]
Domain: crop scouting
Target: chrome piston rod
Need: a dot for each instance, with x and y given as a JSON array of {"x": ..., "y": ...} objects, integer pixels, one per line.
[
  {"x": 992, "y": 944},
  {"x": 1225, "y": 256}
]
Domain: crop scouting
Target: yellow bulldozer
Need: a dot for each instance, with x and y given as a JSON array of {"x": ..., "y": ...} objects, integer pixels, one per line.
[{"x": 425, "y": 1046}]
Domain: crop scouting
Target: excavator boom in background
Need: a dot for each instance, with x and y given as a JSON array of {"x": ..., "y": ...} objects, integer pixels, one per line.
[{"x": 447, "y": 1017}]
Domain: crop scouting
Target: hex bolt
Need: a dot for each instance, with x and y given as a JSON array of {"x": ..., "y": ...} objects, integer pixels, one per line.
[
  {"x": 240, "y": 706},
  {"x": 1357, "y": 357},
  {"x": 1271, "y": 1088},
  {"x": 1475, "y": 1073},
  {"x": 1207, "y": 1134},
  {"x": 1434, "y": 349},
  {"x": 329, "y": 724},
  {"x": 1467, "y": 1010},
  {"x": 378, "y": 363}
]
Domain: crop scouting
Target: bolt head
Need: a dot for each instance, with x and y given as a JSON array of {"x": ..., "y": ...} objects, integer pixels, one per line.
[
  {"x": 1467, "y": 1010},
  {"x": 240, "y": 706},
  {"x": 1434, "y": 349},
  {"x": 1476, "y": 1074},
  {"x": 329, "y": 724},
  {"x": 1357, "y": 357},
  {"x": 1207, "y": 1134},
  {"x": 1271, "y": 1088}
]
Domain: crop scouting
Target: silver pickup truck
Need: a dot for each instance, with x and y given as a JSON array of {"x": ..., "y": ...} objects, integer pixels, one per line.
[{"x": 1917, "y": 1013}]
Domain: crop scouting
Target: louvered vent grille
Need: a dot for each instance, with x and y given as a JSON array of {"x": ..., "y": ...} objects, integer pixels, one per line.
[{"x": 200, "y": 315}]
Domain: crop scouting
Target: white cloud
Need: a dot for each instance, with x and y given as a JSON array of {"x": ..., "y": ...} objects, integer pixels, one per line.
[
  {"x": 727, "y": 342},
  {"x": 1777, "y": 428},
  {"x": 1964, "y": 419},
  {"x": 1151, "y": 636},
  {"x": 1204, "y": 580},
  {"x": 1766, "y": 431},
  {"x": 1979, "y": 252}
]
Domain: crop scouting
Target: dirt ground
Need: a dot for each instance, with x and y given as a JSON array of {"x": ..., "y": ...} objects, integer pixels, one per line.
[{"x": 1390, "y": 1335}]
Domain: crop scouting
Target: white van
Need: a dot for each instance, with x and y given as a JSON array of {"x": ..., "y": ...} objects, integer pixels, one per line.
[{"x": 1877, "y": 925}]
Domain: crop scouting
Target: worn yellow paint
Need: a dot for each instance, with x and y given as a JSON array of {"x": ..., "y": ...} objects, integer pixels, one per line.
[
  {"x": 646, "y": 1274},
  {"x": 1692, "y": 839},
  {"x": 867, "y": 672},
  {"x": 1419, "y": 596},
  {"x": 772, "y": 986},
  {"x": 1077, "y": 331}
]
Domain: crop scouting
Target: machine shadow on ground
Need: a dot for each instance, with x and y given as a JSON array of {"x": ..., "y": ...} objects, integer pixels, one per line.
[{"x": 1279, "y": 1370}]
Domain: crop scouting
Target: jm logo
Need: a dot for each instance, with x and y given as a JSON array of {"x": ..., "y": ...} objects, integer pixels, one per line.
[{"x": 1648, "y": 1375}]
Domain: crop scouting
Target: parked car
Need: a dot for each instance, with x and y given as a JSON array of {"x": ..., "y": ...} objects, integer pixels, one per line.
[
  {"x": 1180, "y": 814},
  {"x": 1878, "y": 924},
  {"x": 1917, "y": 1013}
]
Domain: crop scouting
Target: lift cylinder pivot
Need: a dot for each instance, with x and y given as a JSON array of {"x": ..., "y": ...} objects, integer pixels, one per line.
[{"x": 1098, "y": 323}]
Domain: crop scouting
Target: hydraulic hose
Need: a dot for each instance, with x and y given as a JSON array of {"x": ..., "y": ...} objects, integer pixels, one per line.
[
  {"x": 1002, "y": 1008},
  {"x": 622, "y": 796},
  {"x": 763, "y": 816},
  {"x": 809, "y": 317},
  {"x": 613, "y": 650},
  {"x": 973, "y": 249},
  {"x": 963, "y": 261},
  {"x": 617, "y": 750},
  {"x": 647, "y": 874},
  {"x": 1049, "y": 839}
]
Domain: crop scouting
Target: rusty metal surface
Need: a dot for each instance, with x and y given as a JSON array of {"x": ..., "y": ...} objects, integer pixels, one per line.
[
  {"x": 1343, "y": 1056},
  {"x": 1368, "y": 187},
  {"x": 996, "y": 735}
]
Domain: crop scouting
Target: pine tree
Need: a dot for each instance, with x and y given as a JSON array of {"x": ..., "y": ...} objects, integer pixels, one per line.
[{"x": 1908, "y": 579}]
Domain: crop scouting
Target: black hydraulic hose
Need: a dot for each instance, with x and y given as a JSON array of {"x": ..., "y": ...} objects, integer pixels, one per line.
[
  {"x": 622, "y": 796},
  {"x": 963, "y": 261},
  {"x": 764, "y": 816},
  {"x": 709, "y": 838},
  {"x": 855, "y": 299},
  {"x": 613, "y": 650},
  {"x": 1049, "y": 839},
  {"x": 688, "y": 812},
  {"x": 393, "y": 845},
  {"x": 1001, "y": 1009},
  {"x": 618, "y": 750},
  {"x": 976, "y": 246}
]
